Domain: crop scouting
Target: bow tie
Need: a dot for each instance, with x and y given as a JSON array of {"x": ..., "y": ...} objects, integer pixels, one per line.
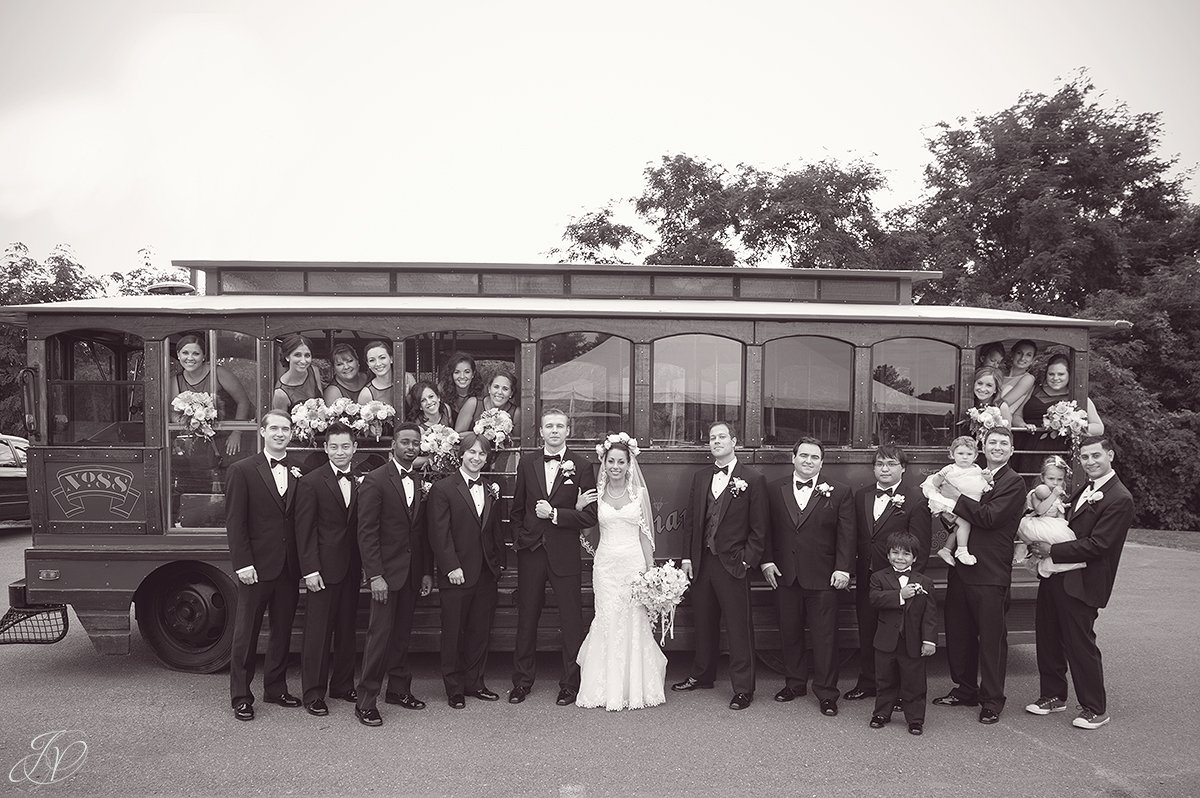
[
  {"x": 346, "y": 475},
  {"x": 884, "y": 492},
  {"x": 808, "y": 483},
  {"x": 471, "y": 483},
  {"x": 405, "y": 473},
  {"x": 555, "y": 457},
  {"x": 272, "y": 462},
  {"x": 1091, "y": 486},
  {"x": 906, "y": 570},
  {"x": 720, "y": 469}
]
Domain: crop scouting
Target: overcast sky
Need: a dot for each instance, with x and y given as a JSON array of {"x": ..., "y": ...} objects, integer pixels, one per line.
[{"x": 475, "y": 130}]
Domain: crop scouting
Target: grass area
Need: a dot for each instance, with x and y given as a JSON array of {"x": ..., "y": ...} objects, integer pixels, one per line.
[{"x": 1166, "y": 538}]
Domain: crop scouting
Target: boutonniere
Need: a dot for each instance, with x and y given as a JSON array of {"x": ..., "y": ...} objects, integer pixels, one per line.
[
  {"x": 825, "y": 489},
  {"x": 295, "y": 472},
  {"x": 1093, "y": 497},
  {"x": 494, "y": 490},
  {"x": 426, "y": 486},
  {"x": 736, "y": 486},
  {"x": 359, "y": 479},
  {"x": 567, "y": 469},
  {"x": 896, "y": 500},
  {"x": 990, "y": 479}
]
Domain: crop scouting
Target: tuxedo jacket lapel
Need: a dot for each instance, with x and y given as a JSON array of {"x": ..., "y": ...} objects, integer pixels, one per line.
[
  {"x": 806, "y": 513},
  {"x": 398, "y": 485},
  {"x": 268, "y": 479},
  {"x": 488, "y": 504},
  {"x": 466, "y": 496},
  {"x": 883, "y": 517},
  {"x": 789, "y": 501}
]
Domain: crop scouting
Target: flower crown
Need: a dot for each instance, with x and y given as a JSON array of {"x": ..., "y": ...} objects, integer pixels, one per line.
[{"x": 617, "y": 437}]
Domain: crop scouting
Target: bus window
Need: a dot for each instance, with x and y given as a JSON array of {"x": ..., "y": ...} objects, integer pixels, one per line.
[
  {"x": 697, "y": 380},
  {"x": 94, "y": 388},
  {"x": 806, "y": 390},
  {"x": 483, "y": 355},
  {"x": 222, "y": 365},
  {"x": 588, "y": 376},
  {"x": 914, "y": 382}
]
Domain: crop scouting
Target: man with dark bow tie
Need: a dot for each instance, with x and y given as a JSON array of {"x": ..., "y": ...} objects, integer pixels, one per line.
[
  {"x": 809, "y": 557},
  {"x": 723, "y": 537},
  {"x": 259, "y": 498},
  {"x": 881, "y": 509},
  {"x": 1099, "y": 514},
  {"x": 327, "y": 542},
  {"x": 393, "y": 542}
]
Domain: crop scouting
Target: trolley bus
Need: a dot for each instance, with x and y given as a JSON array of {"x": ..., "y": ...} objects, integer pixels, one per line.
[{"x": 125, "y": 513}]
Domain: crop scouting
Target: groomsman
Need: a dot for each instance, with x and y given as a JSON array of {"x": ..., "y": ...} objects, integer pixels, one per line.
[
  {"x": 395, "y": 555},
  {"x": 259, "y": 496},
  {"x": 808, "y": 559},
  {"x": 327, "y": 542},
  {"x": 546, "y": 529},
  {"x": 1099, "y": 513},
  {"x": 881, "y": 509},
  {"x": 464, "y": 532},
  {"x": 723, "y": 536},
  {"x": 977, "y": 595}
]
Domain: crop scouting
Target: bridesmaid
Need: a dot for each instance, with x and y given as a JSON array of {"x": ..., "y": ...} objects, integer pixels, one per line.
[
  {"x": 1056, "y": 387},
  {"x": 459, "y": 381},
  {"x": 426, "y": 407},
  {"x": 501, "y": 394},
  {"x": 986, "y": 387},
  {"x": 991, "y": 355},
  {"x": 231, "y": 401},
  {"x": 382, "y": 386},
  {"x": 1018, "y": 385},
  {"x": 299, "y": 382},
  {"x": 348, "y": 379}
]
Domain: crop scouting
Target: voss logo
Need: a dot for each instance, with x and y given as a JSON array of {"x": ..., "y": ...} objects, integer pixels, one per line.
[{"x": 77, "y": 484}]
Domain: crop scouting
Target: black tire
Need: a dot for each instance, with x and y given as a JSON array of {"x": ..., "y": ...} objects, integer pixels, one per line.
[{"x": 185, "y": 612}]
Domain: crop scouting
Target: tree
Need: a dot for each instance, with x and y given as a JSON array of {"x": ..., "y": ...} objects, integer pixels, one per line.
[{"x": 136, "y": 281}]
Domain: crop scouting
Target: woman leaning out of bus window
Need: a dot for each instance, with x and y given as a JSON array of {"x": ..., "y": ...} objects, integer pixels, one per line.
[
  {"x": 501, "y": 394},
  {"x": 348, "y": 378},
  {"x": 382, "y": 387},
  {"x": 426, "y": 408},
  {"x": 231, "y": 401},
  {"x": 459, "y": 380},
  {"x": 1018, "y": 385},
  {"x": 299, "y": 381},
  {"x": 986, "y": 386},
  {"x": 1056, "y": 387}
]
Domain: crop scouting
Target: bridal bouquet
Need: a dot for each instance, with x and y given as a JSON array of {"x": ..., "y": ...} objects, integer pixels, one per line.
[
  {"x": 1065, "y": 419},
  {"x": 440, "y": 445},
  {"x": 496, "y": 425},
  {"x": 659, "y": 590},
  {"x": 197, "y": 410},
  {"x": 984, "y": 420}
]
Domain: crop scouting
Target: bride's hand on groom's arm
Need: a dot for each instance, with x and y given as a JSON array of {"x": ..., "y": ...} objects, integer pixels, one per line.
[{"x": 586, "y": 497}]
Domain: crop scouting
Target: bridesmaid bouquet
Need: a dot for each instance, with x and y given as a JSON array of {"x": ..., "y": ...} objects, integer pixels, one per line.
[
  {"x": 1065, "y": 419},
  {"x": 659, "y": 590},
  {"x": 496, "y": 425},
  {"x": 372, "y": 415},
  {"x": 440, "y": 445},
  {"x": 197, "y": 410},
  {"x": 984, "y": 420},
  {"x": 314, "y": 416}
]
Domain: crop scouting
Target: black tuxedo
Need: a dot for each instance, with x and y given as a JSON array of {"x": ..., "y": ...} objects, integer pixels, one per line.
[
  {"x": 902, "y": 628},
  {"x": 259, "y": 527},
  {"x": 977, "y": 595},
  {"x": 394, "y": 544},
  {"x": 807, "y": 546},
  {"x": 549, "y": 552},
  {"x": 327, "y": 542},
  {"x": 461, "y": 538},
  {"x": 1068, "y": 603},
  {"x": 723, "y": 537},
  {"x": 913, "y": 516}
]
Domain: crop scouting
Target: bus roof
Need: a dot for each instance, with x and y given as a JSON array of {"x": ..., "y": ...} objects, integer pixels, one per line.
[{"x": 251, "y": 304}]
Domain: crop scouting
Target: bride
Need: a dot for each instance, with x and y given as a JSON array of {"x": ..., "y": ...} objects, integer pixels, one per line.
[{"x": 621, "y": 664}]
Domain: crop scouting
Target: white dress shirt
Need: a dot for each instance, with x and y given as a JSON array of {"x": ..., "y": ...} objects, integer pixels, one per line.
[
  {"x": 342, "y": 484},
  {"x": 406, "y": 480},
  {"x": 476, "y": 491},
  {"x": 279, "y": 472},
  {"x": 721, "y": 481},
  {"x": 881, "y": 502},
  {"x": 550, "y": 467},
  {"x": 803, "y": 495},
  {"x": 1095, "y": 486}
]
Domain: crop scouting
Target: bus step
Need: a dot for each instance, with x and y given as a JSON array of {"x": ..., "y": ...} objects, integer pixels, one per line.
[{"x": 32, "y": 623}]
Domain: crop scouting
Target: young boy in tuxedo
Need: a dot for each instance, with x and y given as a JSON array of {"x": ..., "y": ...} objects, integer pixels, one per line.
[{"x": 903, "y": 599}]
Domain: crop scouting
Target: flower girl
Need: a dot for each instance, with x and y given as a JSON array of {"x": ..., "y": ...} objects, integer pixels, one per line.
[
  {"x": 960, "y": 478},
  {"x": 1044, "y": 516}
]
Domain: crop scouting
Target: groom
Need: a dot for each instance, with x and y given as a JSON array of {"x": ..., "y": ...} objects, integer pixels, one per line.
[
  {"x": 723, "y": 537},
  {"x": 546, "y": 529}
]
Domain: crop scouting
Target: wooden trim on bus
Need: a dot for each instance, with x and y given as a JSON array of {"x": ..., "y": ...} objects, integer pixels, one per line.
[
  {"x": 275, "y": 326},
  {"x": 530, "y": 389},
  {"x": 1073, "y": 337},
  {"x": 966, "y": 387},
  {"x": 860, "y": 397},
  {"x": 267, "y": 368},
  {"x": 642, "y": 391},
  {"x": 752, "y": 396}
]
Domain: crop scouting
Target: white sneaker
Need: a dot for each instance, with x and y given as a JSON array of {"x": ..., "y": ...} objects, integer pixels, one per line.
[
  {"x": 965, "y": 557},
  {"x": 1044, "y": 706},
  {"x": 1090, "y": 720}
]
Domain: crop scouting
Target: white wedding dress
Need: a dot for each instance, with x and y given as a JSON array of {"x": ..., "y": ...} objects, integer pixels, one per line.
[{"x": 621, "y": 665}]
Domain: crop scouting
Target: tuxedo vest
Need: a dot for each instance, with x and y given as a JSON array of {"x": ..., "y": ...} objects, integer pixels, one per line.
[{"x": 712, "y": 517}]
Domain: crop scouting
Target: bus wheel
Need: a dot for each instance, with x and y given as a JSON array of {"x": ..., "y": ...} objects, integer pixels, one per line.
[{"x": 185, "y": 611}]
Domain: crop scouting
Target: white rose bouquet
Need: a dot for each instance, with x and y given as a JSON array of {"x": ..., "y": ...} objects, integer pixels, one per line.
[
  {"x": 659, "y": 590},
  {"x": 496, "y": 425},
  {"x": 197, "y": 410}
]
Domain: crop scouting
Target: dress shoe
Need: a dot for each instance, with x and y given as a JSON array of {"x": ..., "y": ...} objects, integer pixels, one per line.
[
  {"x": 456, "y": 701},
  {"x": 517, "y": 695},
  {"x": 689, "y": 684},
  {"x": 916, "y": 728},
  {"x": 741, "y": 700},
  {"x": 368, "y": 717},
  {"x": 350, "y": 695},
  {"x": 406, "y": 700},
  {"x": 951, "y": 700},
  {"x": 788, "y": 694},
  {"x": 316, "y": 707},
  {"x": 987, "y": 717},
  {"x": 284, "y": 700},
  {"x": 859, "y": 693},
  {"x": 566, "y": 697},
  {"x": 483, "y": 694},
  {"x": 828, "y": 707},
  {"x": 879, "y": 721},
  {"x": 243, "y": 710},
  {"x": 1044, "y": 706},
  {"x": 898, "y": 706},
  {"x": 1090, "y": 720}
]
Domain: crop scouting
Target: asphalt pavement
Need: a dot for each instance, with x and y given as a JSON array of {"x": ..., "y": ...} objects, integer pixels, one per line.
[{"x": 151, "y": 731}]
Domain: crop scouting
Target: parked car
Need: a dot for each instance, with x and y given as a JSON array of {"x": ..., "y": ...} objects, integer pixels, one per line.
[{"x": 14, "y": 487}]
